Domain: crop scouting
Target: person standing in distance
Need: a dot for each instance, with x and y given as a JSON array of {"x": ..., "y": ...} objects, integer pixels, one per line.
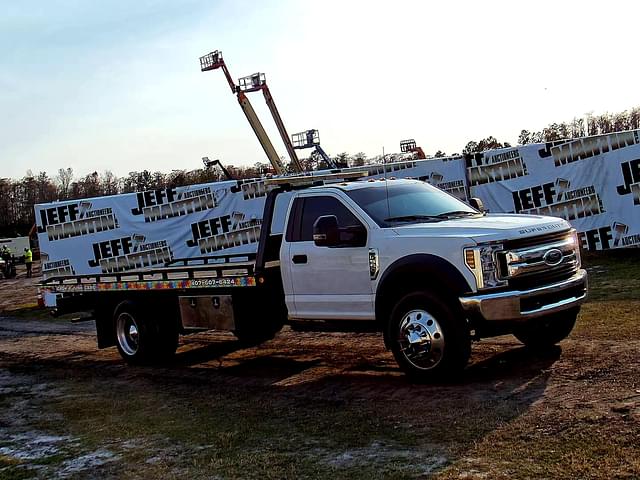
[{"x": 28, "y": 260}]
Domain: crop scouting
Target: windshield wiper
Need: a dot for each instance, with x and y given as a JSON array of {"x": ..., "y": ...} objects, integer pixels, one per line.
[
  {"x": 457, "y": 213},
  {"x": 411, "y": 218},
  {"x": 432, "y": 218}
]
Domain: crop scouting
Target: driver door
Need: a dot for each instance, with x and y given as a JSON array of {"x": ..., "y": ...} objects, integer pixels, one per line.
[{"x": 328, "y": 282}]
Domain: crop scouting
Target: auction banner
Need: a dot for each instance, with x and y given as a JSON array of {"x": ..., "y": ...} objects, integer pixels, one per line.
[
  {"x": 147, "y": 229},
  {"x": 593, "y": 182}
]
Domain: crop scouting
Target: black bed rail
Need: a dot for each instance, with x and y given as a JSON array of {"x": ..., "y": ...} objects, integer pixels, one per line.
[
  {"x": 188, "y": 272},
  {"x": 212, "y": 259}
]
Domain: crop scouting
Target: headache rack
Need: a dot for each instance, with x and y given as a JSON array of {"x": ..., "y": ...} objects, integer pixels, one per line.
[{"x": 314, "y": 180}]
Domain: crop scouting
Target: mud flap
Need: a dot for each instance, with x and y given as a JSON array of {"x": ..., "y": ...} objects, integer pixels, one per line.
[{"x": 105, "y": 330}]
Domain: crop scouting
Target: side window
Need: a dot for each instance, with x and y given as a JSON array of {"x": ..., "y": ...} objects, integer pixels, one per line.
[
  {"x": 293, "y": 226},
  {"x": 315, "y": 207}
]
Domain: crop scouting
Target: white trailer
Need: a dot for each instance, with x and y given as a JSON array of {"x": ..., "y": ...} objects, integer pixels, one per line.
[{"x": 15, "y": 245}]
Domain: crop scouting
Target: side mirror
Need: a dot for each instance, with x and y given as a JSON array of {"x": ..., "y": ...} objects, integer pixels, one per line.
[
  {"x": 476, "y": 203},
  {"x": 325, "y": 231}
]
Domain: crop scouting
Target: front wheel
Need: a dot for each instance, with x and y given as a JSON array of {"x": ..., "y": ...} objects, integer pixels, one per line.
[
  {"x": 428, "y": 339},
  {"x": 545, "y": 332}
]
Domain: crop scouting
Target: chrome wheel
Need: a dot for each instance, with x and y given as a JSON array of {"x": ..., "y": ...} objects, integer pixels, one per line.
[
  {"x": 421, "y": 339},
  {"x": 128, "y": 334}
]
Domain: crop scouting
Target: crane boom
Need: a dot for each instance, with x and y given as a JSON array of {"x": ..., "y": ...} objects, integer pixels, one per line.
[
  {"x": 255, "y": 82},
  {"x": 297, "y": 167},
  {"x": 311, "y": 139},
  {"x": 260, "y": 132},
  {"x": 328, "y": 160},
  {"x": 214, "y": 60},
  {"x": 210, "y": 163}
]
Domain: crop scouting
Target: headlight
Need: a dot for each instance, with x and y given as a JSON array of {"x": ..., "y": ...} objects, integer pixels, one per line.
[
  {"x": 576, "y": 247},
  {"x": 482, "y": 262}
]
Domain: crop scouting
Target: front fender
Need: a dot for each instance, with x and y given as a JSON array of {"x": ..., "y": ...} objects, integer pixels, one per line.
[{"x": 417, "y": 272}]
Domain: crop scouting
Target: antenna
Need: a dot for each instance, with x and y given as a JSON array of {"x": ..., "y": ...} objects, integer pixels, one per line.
[
  {"x": 386, "y": 182},
  {"x": 384, "y": 163}
]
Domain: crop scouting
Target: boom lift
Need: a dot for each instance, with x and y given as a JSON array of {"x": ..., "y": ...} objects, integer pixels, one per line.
[
  {"x": 252, "y": 83},
  {"x": 255, "y": 82},
  {"x": 210, "y": 163},
  {"x": 311, "y": 139},
  {"x": 411, "y": 146},
  {"x": 213, "y": 61}
]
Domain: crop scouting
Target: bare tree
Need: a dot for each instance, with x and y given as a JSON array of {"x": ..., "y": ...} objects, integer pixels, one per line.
[
  {"x": 524, "y": 138},
  {"x": 65, "y": 177},
  {"x": 359, "y": 159}
]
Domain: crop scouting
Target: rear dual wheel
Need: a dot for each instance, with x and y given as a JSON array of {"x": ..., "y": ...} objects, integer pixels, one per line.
[
  {"x": 256, "y": 329},
  {"x": 144, "y": 336},
  {"x": 254, "y": 326}
]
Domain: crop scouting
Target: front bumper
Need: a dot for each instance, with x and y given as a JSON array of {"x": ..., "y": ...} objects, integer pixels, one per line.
[{"x": 525, "y": 304}]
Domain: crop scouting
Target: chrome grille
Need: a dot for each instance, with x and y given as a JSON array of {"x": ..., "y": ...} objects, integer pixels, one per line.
[
  {"x": 539, "y": 264},
  {"x": 535, "y": 240}
]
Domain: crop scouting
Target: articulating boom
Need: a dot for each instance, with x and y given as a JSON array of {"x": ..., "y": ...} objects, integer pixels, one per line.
[
  {"x": 311, "y": 139},
  {"x": 213, "y": 61},
  {"x": 411, "y": 146},
  {"x": 256, "y": 82}
]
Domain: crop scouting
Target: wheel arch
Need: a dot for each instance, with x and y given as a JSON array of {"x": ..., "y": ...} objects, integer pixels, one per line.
[{"x": 416, "y": 272}]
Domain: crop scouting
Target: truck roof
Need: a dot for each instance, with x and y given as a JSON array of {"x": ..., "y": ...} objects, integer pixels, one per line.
[{"x": 356, "y": 185}]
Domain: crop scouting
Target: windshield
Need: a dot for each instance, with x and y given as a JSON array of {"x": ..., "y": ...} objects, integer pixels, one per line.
[{"x": 403, "y": 202}]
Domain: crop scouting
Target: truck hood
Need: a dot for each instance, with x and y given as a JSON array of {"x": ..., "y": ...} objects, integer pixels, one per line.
[{"x": 491, "y": 227}]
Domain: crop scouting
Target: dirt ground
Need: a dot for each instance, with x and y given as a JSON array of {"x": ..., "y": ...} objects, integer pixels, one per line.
[
  {"x": 19, "y": 292},
  {"x": 314, "y": 405}
]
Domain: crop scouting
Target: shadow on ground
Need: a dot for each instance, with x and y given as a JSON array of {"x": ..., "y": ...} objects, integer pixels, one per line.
[{"x": 322, "y": 405}]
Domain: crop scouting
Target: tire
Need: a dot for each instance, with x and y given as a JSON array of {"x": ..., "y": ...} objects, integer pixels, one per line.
[
  {"x": 167, "y": 337},
  {"x": 250, "y": 333},
  {"x": 141, "y": 338},
  {"x": 545, "y": 332},
  {"x": 254, "y": 326},
  {"x": 428, "y": 338}
]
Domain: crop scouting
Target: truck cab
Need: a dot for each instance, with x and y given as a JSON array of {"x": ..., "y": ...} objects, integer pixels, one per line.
[{"x": 429, "y": 270}]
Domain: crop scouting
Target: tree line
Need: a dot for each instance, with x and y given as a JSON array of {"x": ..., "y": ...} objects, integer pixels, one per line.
[
  {"x": 17, "y": 197},
  {"x": 576, "y": 128}
]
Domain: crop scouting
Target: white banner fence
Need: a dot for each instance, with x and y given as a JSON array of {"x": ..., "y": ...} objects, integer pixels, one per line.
[{"x": 593, "y": 182}]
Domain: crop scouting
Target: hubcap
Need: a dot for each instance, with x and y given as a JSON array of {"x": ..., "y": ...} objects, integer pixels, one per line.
[
  {"x": 421, "y": 339},
  {"x": 128, "y": 335}
]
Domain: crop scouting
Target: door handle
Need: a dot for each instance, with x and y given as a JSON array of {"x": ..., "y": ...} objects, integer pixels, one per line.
[{"x": 297, "y": 259}]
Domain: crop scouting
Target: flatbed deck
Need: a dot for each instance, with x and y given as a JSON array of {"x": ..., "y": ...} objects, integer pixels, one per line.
[{"x": 181, "y": 274}]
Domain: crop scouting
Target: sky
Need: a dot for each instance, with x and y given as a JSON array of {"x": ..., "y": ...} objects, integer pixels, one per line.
[{"x": 117, "y": 85}]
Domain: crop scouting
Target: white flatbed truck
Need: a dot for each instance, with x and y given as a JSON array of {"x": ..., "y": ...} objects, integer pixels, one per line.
[{"x": 396, "y": 256}]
